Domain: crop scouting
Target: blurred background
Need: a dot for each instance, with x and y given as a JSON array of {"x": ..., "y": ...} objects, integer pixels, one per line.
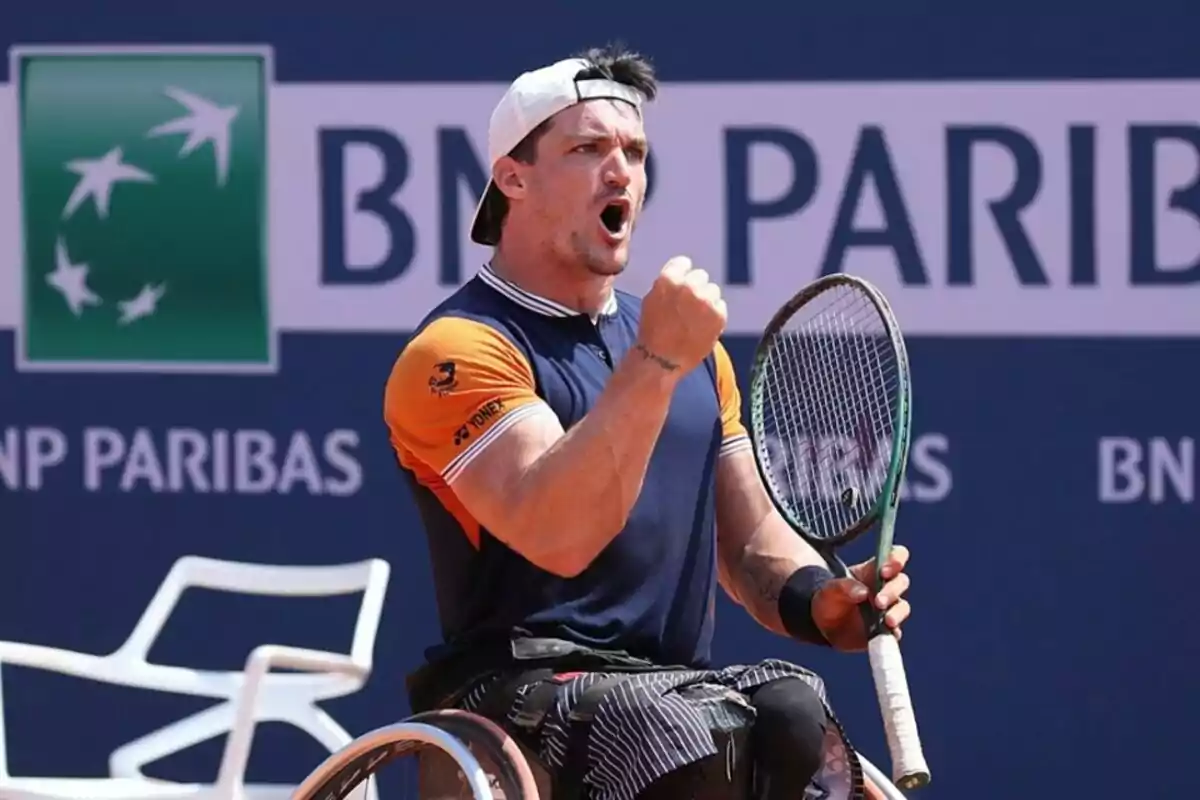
[{"x": 202, "y": 292}]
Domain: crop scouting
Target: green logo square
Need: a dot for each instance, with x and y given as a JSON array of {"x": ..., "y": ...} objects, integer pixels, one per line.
[{"x": 144, "y": 197}]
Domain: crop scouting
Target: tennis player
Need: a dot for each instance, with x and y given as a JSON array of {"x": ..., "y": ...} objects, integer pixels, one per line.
[{"x": 580, "y": 464}]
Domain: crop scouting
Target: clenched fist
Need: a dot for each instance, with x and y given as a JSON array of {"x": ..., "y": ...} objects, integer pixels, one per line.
[{"x": 683, "y": 315}]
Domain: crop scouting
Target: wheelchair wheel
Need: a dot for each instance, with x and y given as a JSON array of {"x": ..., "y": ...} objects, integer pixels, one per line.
[
  {"x": 459, "y": 756},
  {"x": 879, "y": 779}
]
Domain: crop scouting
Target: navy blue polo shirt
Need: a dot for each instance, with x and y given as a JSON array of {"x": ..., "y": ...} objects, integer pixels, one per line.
[{"x": 492, "y": 354}]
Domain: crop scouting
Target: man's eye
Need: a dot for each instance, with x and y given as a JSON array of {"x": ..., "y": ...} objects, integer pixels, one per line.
[{"x": 590, "y": 147}]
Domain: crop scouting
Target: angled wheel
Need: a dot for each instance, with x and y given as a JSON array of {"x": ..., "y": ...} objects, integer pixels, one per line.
[
  {"x": 510, "y": 774},
  {"x": 457, "y": 755}
]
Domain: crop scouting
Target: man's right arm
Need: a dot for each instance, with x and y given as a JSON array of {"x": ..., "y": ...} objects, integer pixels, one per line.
[{"x": 557, "y": 498}]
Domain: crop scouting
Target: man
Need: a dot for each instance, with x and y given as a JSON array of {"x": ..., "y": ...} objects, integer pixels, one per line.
[{"x": 586, "y": 482}]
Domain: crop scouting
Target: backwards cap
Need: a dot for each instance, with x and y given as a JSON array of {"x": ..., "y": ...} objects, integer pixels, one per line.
[{"x": 531, "y": 99}]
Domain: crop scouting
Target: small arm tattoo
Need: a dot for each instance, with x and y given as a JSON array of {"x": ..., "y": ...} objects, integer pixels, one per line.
[
  {"x": 766, "y": 576},
  {"x": 767, "y": 584},
  {"x": 668, "y": 365}
]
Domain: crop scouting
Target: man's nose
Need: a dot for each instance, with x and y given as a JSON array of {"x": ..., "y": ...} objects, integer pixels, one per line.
[{"x": 617, "y": 170}]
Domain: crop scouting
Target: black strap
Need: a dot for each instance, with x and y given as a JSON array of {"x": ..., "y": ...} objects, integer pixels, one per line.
[
  {"x": 568, "y": 781},
  {"x": 499, "y": 699}
]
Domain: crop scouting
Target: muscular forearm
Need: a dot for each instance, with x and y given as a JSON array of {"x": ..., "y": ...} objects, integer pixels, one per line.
[
  {"x": 757, "y": 572},
  {"x": 576, "y": 496}
]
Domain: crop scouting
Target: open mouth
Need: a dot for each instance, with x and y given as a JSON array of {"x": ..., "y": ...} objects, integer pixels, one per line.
[{"x": 615, "y": 216}]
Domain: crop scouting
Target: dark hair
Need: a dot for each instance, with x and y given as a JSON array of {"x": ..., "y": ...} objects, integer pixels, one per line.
[{"x": 613, "y": 62}]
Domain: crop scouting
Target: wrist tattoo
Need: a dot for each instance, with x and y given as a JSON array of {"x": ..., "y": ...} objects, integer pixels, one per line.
[{"x": 667, "y": 364}]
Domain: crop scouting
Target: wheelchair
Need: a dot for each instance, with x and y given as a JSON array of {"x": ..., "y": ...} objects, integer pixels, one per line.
[{"x": 460, "y": 756}]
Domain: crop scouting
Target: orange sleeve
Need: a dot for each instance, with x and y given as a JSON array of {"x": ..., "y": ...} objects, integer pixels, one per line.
[
  {"x": 454, "y": 388},
  {"x": 733, "y": 432}
]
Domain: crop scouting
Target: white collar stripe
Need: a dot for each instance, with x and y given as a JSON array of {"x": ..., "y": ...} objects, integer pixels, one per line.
[
  {"x": 520, "y": 296},
  {"x": 533, "y": 302},
  {"x": 529, "y": 299}
]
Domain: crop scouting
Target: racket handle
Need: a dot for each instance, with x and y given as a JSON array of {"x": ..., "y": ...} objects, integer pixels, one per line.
[{"x": 909, "y": 770}]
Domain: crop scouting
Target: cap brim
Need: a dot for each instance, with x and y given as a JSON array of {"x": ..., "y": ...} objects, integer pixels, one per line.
[{"x": 489, "y": 214}]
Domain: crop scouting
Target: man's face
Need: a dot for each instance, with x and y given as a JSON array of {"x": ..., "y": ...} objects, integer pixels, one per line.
[{"x": 586, "y": 186}]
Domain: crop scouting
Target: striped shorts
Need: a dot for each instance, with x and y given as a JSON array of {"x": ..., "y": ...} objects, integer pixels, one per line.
[{"x": 656, "y": 722}]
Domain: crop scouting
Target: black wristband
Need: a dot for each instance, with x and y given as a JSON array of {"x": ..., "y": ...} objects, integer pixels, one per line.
[{"x": 795, "y": 603}]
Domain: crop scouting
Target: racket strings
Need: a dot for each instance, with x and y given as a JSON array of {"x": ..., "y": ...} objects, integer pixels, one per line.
[{"x": 830, "y": 386}]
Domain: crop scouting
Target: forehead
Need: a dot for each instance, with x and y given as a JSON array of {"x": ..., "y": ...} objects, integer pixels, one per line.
[{"x": 601, "y": 117}]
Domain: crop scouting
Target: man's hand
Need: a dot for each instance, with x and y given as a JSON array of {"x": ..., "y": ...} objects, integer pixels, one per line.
[
  {"x": 683, "y": 316},
  {"x": 835, "y": 607}
]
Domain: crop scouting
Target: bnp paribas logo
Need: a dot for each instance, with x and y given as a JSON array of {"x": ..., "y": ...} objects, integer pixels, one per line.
[{"x": 144, "y": 202}]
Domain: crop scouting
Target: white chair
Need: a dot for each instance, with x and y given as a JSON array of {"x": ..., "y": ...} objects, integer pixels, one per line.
[{"x": 246, "y": 698}]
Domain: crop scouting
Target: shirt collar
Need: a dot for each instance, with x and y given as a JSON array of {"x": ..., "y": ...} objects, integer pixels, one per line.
[{"x": 533, "y": 302}]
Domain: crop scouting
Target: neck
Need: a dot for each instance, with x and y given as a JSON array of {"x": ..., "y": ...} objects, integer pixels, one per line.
[{"x": 568, "y": 284}]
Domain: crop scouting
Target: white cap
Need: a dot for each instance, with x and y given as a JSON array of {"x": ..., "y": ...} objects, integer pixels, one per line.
[{"x": 533, "y": 98}]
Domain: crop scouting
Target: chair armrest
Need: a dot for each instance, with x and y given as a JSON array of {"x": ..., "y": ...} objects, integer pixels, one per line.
[
  {"x": 266, "y": 656},
  {"x": 53, "y": 659},
  {"x": 260, "y": 662}
]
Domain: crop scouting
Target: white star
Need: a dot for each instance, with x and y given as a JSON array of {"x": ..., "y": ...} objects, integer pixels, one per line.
[
  {"x": 206, "y": 122},
  {"x": 71, "y": 281},
  {"x": 97, "y": 177},
  {"x": 145, "y": 304}
]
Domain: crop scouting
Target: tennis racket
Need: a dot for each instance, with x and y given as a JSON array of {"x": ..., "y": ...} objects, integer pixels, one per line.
[{"x": 829, "y": 411}]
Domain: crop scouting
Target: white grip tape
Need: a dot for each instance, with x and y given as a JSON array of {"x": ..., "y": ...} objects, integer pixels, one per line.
[{"x": 891, "y": 687}]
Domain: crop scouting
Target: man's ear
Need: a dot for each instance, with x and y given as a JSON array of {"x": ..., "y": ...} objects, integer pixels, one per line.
[{"x": 509, "y": 176}]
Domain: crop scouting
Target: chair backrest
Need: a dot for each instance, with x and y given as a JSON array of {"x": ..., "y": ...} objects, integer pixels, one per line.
[{"x": 369, "y": 577}]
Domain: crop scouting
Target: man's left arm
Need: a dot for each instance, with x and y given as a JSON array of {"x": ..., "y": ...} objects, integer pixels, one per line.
[{"x": 762, "y": 560}]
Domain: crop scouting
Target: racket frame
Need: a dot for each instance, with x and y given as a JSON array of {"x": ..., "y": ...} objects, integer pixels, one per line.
[
  {"x": 909, "y": 769},
  {"x": 890, "y": 492}
]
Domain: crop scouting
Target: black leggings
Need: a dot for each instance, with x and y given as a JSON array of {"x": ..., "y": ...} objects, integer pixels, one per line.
[{"x": 786, "y": 743}]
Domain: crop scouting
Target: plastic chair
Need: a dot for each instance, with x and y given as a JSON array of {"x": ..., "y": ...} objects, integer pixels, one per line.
[{"x": 248, "y": 697}]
